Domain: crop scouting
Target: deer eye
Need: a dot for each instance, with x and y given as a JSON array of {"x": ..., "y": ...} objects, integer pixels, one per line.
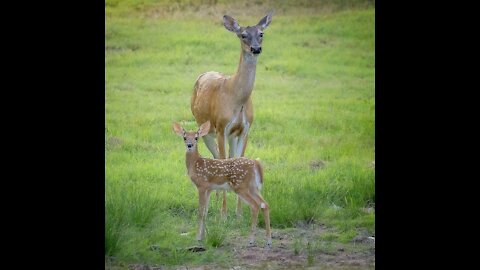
[
  {"x": 196, "y": 138},
  {"x": 244, "y": 36},
  {"x": 184, "y": 138}
]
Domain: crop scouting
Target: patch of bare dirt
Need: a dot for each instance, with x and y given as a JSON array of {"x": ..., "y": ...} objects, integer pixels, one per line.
[
  {"x": 113, "y": 142},
  {"x": 293, "y": 248},
  {"x": 317, "y": 164}
]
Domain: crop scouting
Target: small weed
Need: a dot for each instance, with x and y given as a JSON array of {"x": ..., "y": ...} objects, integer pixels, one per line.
[
  {"x": 327, "y": 248},
  {"x": 310, "y": 254},
  {"x": 216, "y": 235},
  {"x": 297, "y": 245}
]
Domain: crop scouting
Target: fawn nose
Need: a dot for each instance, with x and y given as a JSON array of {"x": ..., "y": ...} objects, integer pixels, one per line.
[
  {"x": 256, "y": 50},
  {"x": 189, "y": 145}
]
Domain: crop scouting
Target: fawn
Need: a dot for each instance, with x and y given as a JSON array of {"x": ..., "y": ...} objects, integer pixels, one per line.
[{"x": 243, "y": 176}]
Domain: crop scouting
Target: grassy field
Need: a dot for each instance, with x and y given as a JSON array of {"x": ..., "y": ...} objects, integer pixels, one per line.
[{"x": 314, "y": 126}]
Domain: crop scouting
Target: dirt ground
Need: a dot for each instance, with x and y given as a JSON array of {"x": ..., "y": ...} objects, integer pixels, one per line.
[{"x": 294, "y": 248}]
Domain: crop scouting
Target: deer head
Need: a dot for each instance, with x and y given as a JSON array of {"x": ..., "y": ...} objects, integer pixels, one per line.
[
  {"x": 191, "y": 138},
  {"x": 251, "y": 37}
]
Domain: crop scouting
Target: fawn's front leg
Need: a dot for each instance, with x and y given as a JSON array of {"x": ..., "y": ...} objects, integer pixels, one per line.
[{"x": 203, "y": 198}]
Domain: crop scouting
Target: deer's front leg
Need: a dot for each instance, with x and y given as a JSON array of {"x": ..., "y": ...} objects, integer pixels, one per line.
[
  {"x": 240, "y": 152},
  {"x": 203, "y": 195},
  {"x": 233, "y": 153},
  {"x": 209, "y": 140},
  {"x": 222, "y": 149}
]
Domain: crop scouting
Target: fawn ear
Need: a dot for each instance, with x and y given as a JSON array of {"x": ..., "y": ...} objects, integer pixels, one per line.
[
  {"x": 231, "y": 24},
  {"x": 178, "y": 129},
  {"x": 265, "y": 21},
  {"x": 204, "y": 129}
]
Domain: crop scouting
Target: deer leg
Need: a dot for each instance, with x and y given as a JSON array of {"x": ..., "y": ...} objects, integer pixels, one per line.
[
  {"x": 203, "y": 195},
  {"x": 240, "y": 152},
  {"x": 242, "y": 141},
  {"x": 238, "y": 210},
  {"x": 232, "y": 150},
  {"x": 255, "y": 208},
  {"x": 244, "y": 146},
  {"x": 266, "y": 215},
  {"x": 222, "y": 147},
  {"x": 209, "y": 141},
  {"x": 222, "y": 143}
]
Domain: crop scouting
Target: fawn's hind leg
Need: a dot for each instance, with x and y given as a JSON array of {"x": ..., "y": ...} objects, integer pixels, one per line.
[
  {"x": 254, "y": 206},
  {"x": 266, "y": 215}
]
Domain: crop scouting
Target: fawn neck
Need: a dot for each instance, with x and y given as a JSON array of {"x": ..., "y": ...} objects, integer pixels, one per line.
[
  {"x": 191, "y": 158},
  {"x": 242, "y": 81}
]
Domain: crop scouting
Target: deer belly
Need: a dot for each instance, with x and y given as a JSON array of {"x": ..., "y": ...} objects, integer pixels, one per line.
[{"x": 224, "y": 186}]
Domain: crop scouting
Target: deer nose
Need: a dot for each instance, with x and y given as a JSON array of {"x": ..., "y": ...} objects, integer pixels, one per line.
[
  {"x": 189, "y": 145},
  {"x": 256, "y": 50}
]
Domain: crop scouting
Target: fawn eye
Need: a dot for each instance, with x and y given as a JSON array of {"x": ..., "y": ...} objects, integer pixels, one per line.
[
  {"x": 196, "y": 138},
  {"x": 244, "y": 36},
  {"x": 184, "y": 138}
]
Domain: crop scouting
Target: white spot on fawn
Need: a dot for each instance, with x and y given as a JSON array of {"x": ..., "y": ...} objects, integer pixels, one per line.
[{"x": 262, "y": 205}]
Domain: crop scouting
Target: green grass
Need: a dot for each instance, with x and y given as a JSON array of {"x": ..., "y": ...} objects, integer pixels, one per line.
[{"x": 314, "y": 99}]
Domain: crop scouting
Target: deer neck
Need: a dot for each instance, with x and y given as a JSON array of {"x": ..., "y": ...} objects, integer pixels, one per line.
[
  {"x": 243, "y": 80},
  {"x": 191, "y": 159}
]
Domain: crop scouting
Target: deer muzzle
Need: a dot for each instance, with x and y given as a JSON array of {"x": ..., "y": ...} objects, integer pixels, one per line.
[{"x": 256, "y": 49}]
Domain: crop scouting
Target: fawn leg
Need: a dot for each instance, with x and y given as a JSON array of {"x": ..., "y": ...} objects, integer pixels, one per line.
[
  {"x": 255, "y": 208},
  {"x": 203, "y": 195},
  {"x": 266, "y": 215}
]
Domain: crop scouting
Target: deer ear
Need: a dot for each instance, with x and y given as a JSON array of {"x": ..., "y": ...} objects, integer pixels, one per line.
[
  {"x": 231, "y": 24},
  {"x": 178, "y": 129},
  {"x": 204, "y": 129},
  {"x": 265, "y": 21}
]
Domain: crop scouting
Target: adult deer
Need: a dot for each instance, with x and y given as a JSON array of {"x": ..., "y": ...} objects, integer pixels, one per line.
[
  {"x": 242, "y": 175},
  {"x": 225, "y": 100}
]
